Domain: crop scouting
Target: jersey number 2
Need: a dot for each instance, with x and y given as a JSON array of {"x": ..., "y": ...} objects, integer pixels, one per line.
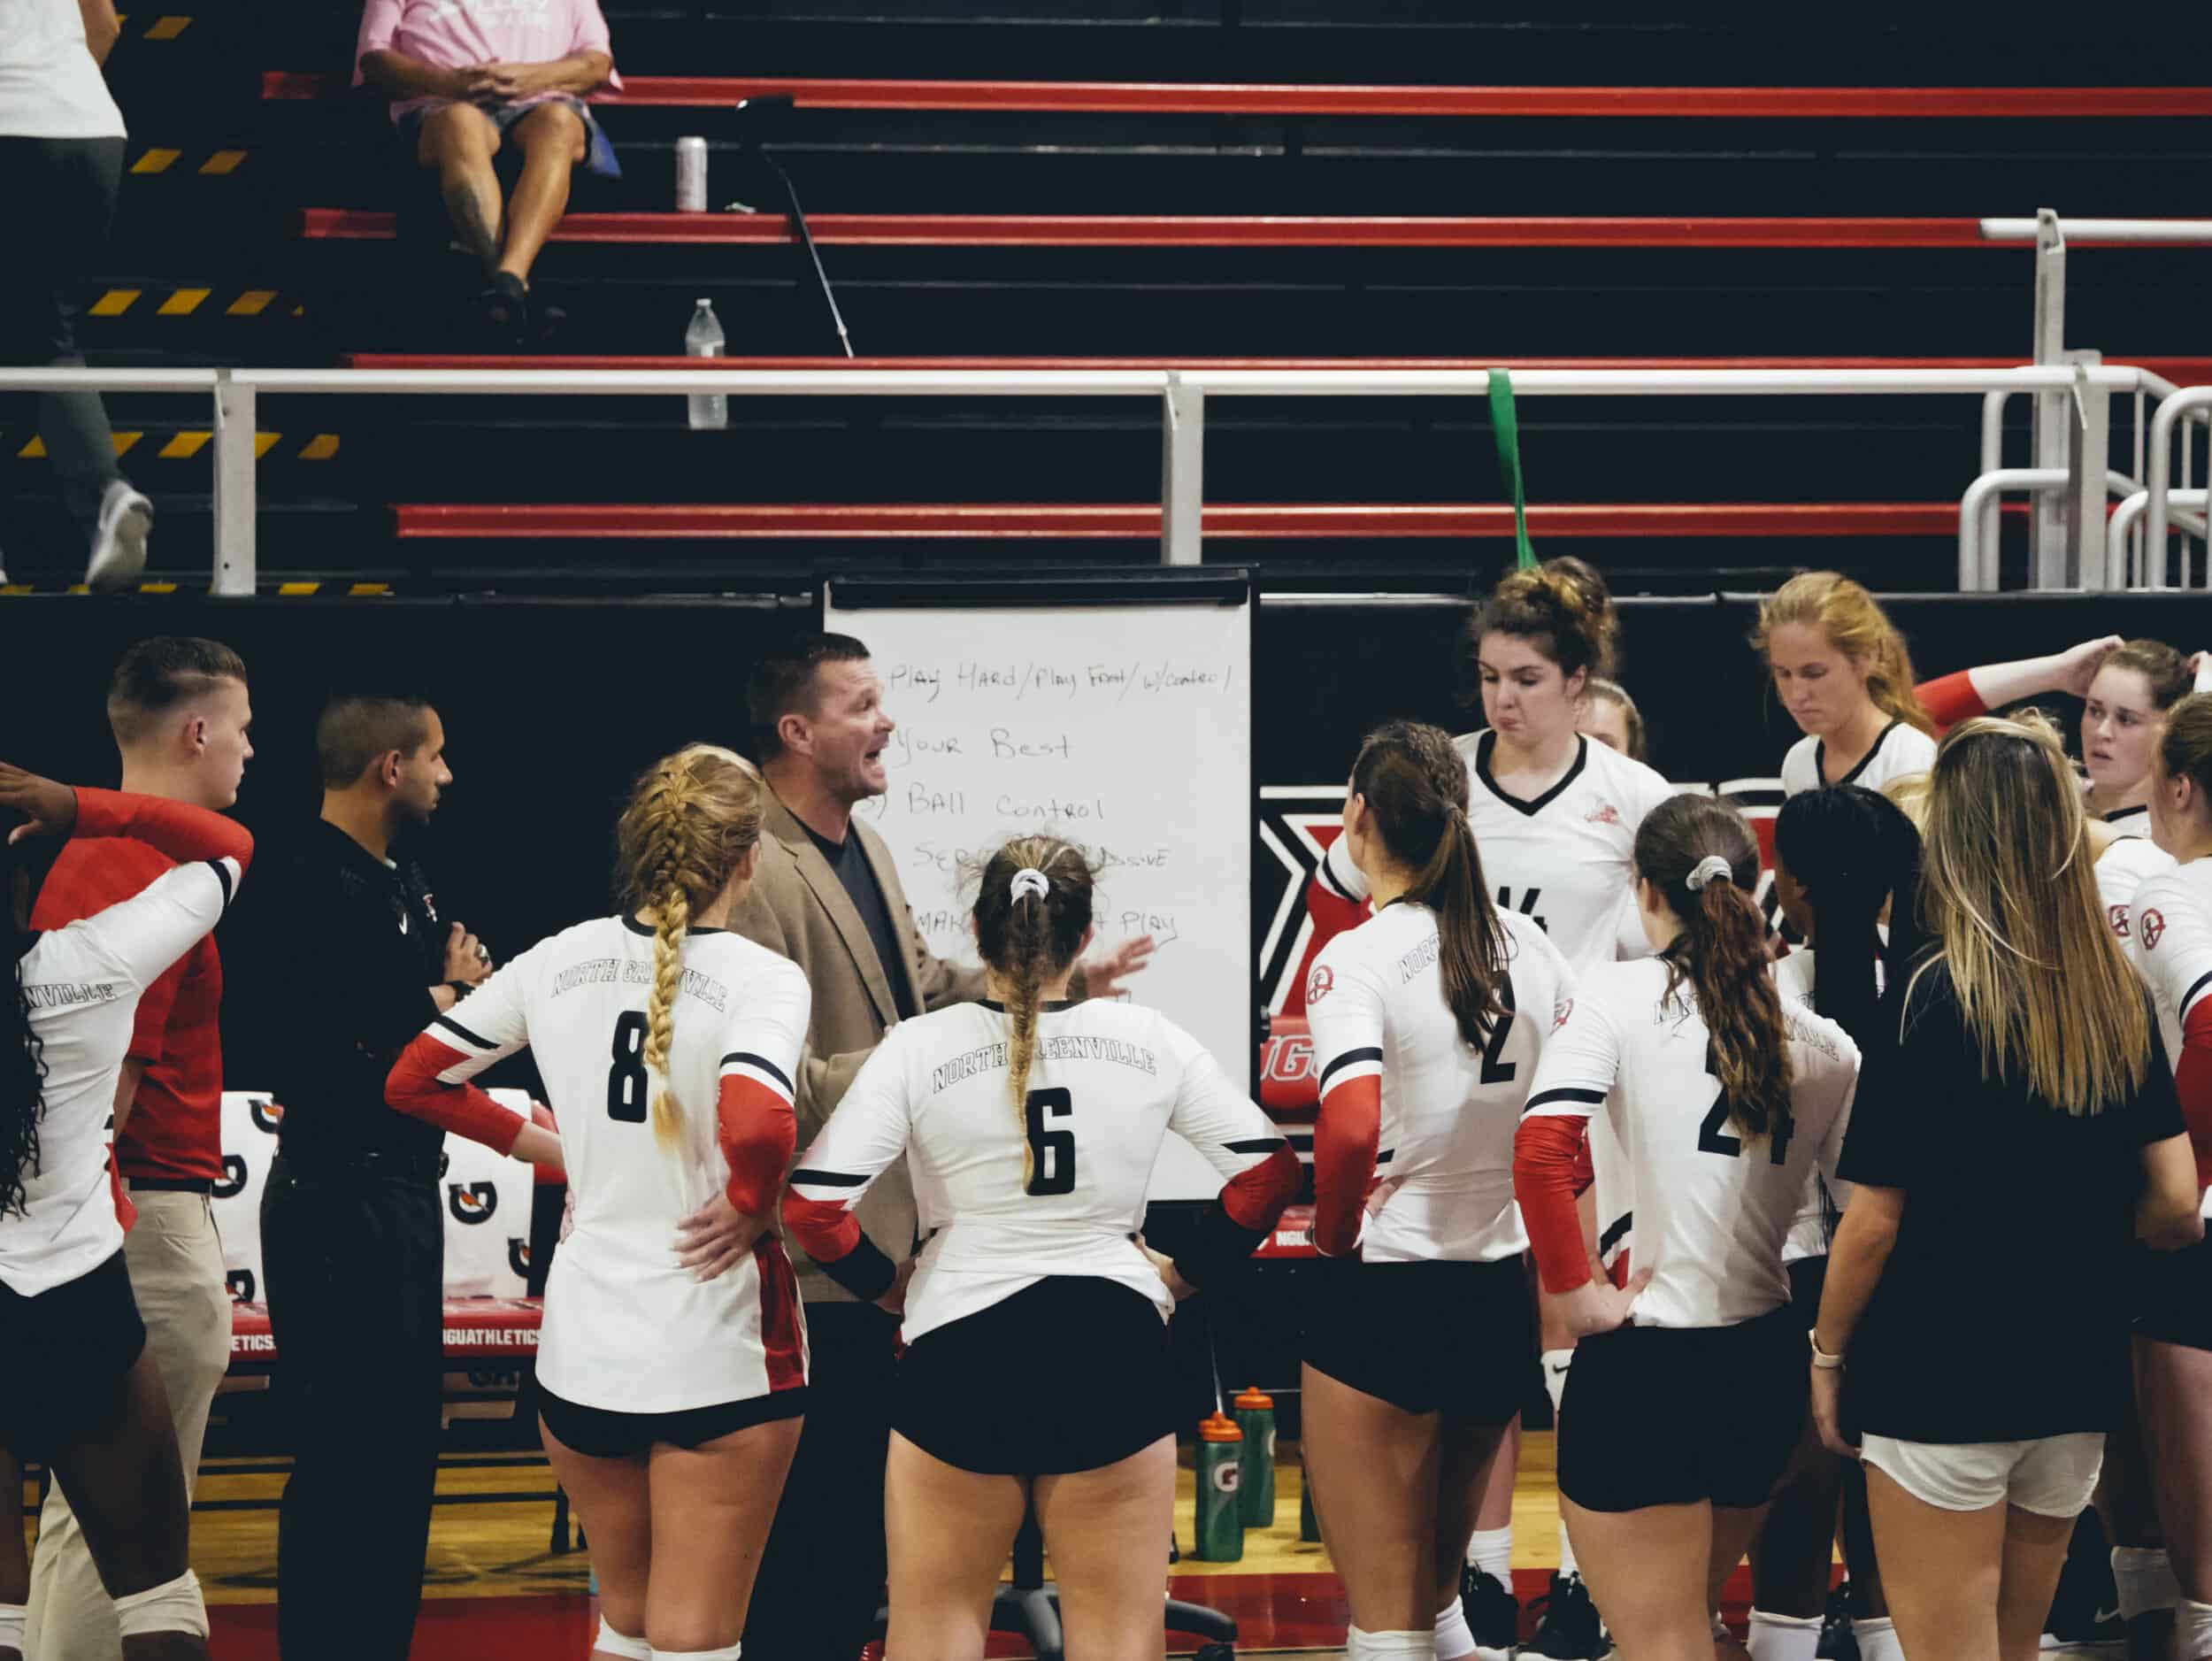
[
  {"x": 1051, "y": 1152},
  {"x": 628, "y": 1091},
  {"x": 1494, "y": 1070},
  {"x": 1713, "y": 1137}
]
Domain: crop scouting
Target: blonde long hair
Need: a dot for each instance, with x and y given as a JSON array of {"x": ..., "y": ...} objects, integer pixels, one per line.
[
  {"x": 691, "y": 818},
  {"x": 2009, "y": 895},
  {"x": 1849, "y": 620}
]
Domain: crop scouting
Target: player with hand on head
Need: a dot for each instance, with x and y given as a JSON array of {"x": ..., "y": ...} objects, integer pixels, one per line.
[
  {"x": 2171, "y": 945},
  {"x": 671, "y": 1383},
  {"x": 1427, "y": 1022},
  {"x": 79, "y": 1393},
  {"x": 1037, "y": 1370},
  {"x": 1725, "y": 1098}
]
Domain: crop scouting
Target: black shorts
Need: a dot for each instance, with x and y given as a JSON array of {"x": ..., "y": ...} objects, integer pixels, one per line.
[
  {"x": 1673, "y": 1415},
  {"x": 2174, "y": 1297},
  {"x": 68, "y": 1348},
  {"x": 1809, "y": 1279},
  {"x": 1070, "y": 1375},
  {"x": 1453, "y": 1338},
  {"x": 601, "y": 1434}
]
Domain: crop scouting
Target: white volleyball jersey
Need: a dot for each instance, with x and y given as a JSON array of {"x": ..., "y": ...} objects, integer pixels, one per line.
[
  {"x": 1899, "y": 752},
  {"x": 1008, "y": 1195},
  {"x": 1563, "y": 859},
  {"x": 627, "y": 1328},
  {"x": 1825, "y": 1197},
  {"x": 2171, "y": 944},
  {"x": 2121, "y": 872},
  {"x": 1711, "y": 1213},
  {"x": 1440, "y": 1160},
  {"x": 82, "y": 983}
]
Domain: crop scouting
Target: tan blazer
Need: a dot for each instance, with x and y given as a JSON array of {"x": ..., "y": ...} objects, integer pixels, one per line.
[{"x": 797, "y": 907}]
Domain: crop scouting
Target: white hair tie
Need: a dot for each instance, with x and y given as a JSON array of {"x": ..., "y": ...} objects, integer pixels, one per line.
[
  {"x": 1712, "y": 865},
  {"x": 1029, "y": 881}
]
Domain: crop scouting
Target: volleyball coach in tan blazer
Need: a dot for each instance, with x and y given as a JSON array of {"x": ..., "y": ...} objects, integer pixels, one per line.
[{"x": 827, "y": 897}]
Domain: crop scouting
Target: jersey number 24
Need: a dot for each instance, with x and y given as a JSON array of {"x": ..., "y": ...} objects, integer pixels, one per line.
[{"x": 1713, "y": 1136}]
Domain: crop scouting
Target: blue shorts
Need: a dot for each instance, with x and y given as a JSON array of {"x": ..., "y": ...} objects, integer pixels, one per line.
[{"x": 598, "y": 153}]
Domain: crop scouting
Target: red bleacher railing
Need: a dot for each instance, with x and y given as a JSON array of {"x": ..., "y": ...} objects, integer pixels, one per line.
[
  {"x": 1135, "y": 521},
  {"x": 1109, "y": 97}
]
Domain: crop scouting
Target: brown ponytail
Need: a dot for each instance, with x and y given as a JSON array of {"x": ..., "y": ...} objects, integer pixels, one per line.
[
  {"x": 1414, "y": 782},
  {"x": 1029, "y": 938},
  {"x": 691, "y": 819},
  {"x": 1721, "y": 952}
]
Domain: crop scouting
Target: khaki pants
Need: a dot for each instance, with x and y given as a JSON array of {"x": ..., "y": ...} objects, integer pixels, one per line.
[{"x": 176, "y": 1264}]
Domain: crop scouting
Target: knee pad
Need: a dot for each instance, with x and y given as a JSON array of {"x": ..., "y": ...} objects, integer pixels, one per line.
[
  {"x": 2143, "y": 1576},
  {"x": 13, "y": 1618},
  {"x": 1390, "y": 1646},
  {"x": 173, "y": 1606},
  {"x": 611, "y": 1643},
  {"x": 729, "y": 1654}
]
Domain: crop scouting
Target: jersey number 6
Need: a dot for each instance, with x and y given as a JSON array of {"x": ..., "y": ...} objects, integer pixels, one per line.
[
  {"x": 628, "y": 1091},
  {"x": 1051, "y": 1152}
]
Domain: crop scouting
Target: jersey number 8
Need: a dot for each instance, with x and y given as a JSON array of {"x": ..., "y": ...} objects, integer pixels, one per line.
[
  {"x": 1051, "y": 1152},
  {"x": 628, "y": 1091}
]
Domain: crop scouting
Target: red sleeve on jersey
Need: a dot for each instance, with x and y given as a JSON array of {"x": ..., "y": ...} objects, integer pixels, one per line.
[
  {"x": 1254, "y": 1199},
  {"x": 1345, "y": 1140},
  {"x": 175, "y": 828},
  {"x": 758, "y": 1133},
  {"x": 2192, "y": 1083},
  {"x": 414, "y": 1088},
  {"x": 825, "y": 1231},
  {"x": 1950, "y": 699},
  {"x": 1546, "y": 1150},
  {"x": 1585, "y": 1172}
]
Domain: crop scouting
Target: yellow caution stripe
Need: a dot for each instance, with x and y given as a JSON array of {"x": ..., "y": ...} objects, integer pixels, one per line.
[{"x": 185, "y": 445}]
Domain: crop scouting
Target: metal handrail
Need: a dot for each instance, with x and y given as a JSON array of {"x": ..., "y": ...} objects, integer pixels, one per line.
[
  {"x": 1978, "y": 509},
  {"x": 2102, "y": 230},
  {"x": 2118, "y": 555},
  {"x": 1182, "y": 394},
  {"x": 2158, "y": 477}
]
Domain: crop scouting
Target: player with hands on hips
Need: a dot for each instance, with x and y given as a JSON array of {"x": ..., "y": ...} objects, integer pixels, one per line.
[
  {"x": 1037, "y": 1370},
  {"x": 672, "y": 1374},
  {"x": 1427, "y": 1021},
  {"x": 1688, "y": 1388},
  {"x": 79, "y": 1393}
]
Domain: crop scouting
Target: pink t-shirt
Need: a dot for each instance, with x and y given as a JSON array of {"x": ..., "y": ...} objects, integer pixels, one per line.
[{"x": 462, "y": 33}]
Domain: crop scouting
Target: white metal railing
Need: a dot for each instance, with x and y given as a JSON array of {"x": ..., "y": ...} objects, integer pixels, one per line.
[{"x": 1182, "y": 394}]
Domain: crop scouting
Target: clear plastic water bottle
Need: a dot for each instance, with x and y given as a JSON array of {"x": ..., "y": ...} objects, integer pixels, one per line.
[{"x": 703, "y": 339}]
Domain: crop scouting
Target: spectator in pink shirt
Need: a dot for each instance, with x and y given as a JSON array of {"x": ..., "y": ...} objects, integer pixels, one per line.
[{"x": 468, "y": 76}]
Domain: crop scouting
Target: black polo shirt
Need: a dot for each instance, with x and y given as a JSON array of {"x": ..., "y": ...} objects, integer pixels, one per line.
[
  {"x": 849, "y": 860},
  {"x": 358, "y": 945}
]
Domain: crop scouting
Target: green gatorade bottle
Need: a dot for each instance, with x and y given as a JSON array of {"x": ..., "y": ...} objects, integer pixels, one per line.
[
  {"x": 1256, "y": 1488},
  {"x": 1220, "y": 1529}
]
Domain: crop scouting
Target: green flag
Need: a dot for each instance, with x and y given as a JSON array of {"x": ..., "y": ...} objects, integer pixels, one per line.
[{"x": 1505, "y": 428}]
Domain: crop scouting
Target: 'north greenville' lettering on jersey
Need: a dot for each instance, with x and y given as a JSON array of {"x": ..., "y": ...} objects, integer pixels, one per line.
[
  {"x": 599, "y": 971},
  {"x": 1065, "y": 1046},
  {"x": 1419, "y": 958},
  {"x": 69, "y": 994}
]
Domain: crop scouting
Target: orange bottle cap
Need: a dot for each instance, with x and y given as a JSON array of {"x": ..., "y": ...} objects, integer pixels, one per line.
[
  {"x": 1219, "y": 1428},
  {"x": 1254, "y": 1400}
]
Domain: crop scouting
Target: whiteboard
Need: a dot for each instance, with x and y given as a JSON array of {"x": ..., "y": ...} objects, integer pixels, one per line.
[{"x": 1125, "y": 729}]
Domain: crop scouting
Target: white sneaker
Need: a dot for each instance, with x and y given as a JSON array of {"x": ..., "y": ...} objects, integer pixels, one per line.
[{"x": 119, "y": 547}]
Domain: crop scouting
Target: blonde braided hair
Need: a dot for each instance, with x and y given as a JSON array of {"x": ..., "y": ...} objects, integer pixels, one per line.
[
  {"x": 691, "y": 820},
  {"x": 1029, "y": 940}
]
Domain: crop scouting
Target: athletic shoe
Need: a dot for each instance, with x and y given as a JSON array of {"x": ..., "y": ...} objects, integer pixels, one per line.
[
  {"x": 1569, "y": 1628},
  {"x": 2086, "y": 1609},
  {"x": 1838, "y": 1640},
  {"x": 118, "y": 544},
  {"x": 1493, "y": 1615}
]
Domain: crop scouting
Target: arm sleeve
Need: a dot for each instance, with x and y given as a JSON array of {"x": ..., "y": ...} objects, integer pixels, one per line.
[
  {"x": 1574, "y": 1075},
  {"x": 862, "y": 1138},
  {"x": 174, "y": 829},
  {"x": 141, "y": 937},
  {"x": 1237, "y": 1138},
  {"x": 431, "y": 1078},
  {"x": 150, "y": 1025},
  {"x": 1950, "y": 699},
  {"x": 1345, "y": 1015},
  {"x": 754, "y": 1122},
  {"x": 2193, "y": 1084}
]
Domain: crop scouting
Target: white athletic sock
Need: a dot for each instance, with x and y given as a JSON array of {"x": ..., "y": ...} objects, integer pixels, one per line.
[
  {"x": 1454, "y": 1639},
  {"x": 1567, "y": 1564},
  {"x": 12, "y": 1618},
  {"x": 1877, "y": 1640},
  {"x": 611, "y": 1643},
  {"x": 2145, "y": 1576},
  {"x": 1783, "y": 1637},
  {"x": 1491, "y": 1550},
  {"x": 729, "y": 1654},
  {"x": 1390, "y": 1646},
  {"x": 1556, "y": 1363},
  {"x": 2193, "y": 1630}
]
